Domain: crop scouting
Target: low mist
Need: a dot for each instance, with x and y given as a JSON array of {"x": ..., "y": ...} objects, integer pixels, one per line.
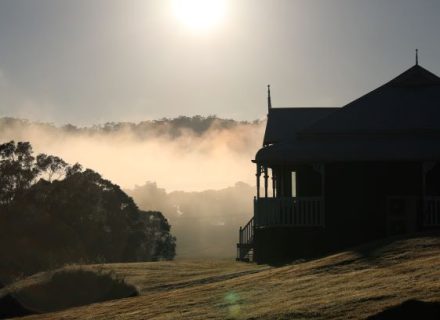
[
  {"x": 205, "y": 223},
  {"x": 202, "y": 165}
]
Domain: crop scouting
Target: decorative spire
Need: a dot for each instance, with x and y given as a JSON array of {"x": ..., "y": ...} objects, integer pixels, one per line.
[
  {"x": 417, "y": 57},
  {"x": 269, "y": 99}
]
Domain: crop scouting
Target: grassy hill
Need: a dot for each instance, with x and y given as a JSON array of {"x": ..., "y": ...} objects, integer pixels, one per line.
[{"x": 349, "y": 285}]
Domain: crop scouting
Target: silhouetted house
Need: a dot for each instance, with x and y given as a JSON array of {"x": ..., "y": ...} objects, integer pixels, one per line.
[{"x": 336, "y": 177}]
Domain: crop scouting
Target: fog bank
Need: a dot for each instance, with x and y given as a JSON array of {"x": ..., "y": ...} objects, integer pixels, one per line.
[
  {"x": 204, "y": 157},
  {"x": 185, "y": 153}
]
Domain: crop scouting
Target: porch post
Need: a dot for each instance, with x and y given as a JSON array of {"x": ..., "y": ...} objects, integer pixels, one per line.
[
  {"x": 281, "y": 191},
  {"x": 258, "y": 174},
  {"x": 266, "y": 176},
  {"x": 273, "y": 184}
]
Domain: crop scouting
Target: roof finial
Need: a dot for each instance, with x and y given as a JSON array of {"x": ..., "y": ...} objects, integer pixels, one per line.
[
  {"x": 417, "y": 57},
  {"x": 269, "y": 99}
]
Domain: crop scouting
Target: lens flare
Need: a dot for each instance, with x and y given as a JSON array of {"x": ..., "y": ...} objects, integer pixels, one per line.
[{"x": 233, "y": 301}]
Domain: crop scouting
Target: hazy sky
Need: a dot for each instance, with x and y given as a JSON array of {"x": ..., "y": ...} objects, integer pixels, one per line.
[{"x": 88, "y": 61}]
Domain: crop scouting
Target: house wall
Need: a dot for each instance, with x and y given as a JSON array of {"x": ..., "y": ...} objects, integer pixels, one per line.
[
  {"x": 356, "y": 197},
  {"x": 284, "y": 244},
  {"x": 432, "y": 181},
  {"x": 308, "y": 182},
  {"x": 355, "y": 210}
]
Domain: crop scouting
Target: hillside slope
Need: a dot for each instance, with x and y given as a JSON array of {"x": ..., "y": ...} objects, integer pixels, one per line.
[{"x": 350, "y": 285}]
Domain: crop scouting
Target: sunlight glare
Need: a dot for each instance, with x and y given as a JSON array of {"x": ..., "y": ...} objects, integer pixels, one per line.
[{"x": 200, "y": 15}]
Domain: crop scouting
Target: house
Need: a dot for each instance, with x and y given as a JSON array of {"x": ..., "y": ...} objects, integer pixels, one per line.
[{"x": 331, "y": 178}]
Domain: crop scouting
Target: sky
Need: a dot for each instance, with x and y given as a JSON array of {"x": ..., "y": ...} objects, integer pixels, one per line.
[{"x": 92, "y": 61}]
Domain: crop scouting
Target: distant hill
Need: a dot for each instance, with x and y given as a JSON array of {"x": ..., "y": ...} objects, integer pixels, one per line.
[
  {"x": 356, "y": 284},
  {"x": 170, "y": 127}
]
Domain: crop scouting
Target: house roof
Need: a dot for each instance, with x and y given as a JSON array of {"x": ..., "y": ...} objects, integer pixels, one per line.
[
  {"x": 398, "y": 121},
  {"x": 284, "y": 123},
  {"x": 410, "y": 103},
  {"x": 346, "y": 150}
]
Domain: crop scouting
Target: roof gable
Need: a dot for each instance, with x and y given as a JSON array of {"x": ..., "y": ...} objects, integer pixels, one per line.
[
  {"x": 409, "y": 103},
  {"x": 413, "y": 77}
]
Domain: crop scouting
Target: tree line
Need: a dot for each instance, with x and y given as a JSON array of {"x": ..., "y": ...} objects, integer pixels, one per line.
[{"x": 170, "y": 127}]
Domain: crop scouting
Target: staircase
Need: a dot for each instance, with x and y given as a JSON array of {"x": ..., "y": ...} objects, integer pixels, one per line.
[{"x": 245, "y": 245}]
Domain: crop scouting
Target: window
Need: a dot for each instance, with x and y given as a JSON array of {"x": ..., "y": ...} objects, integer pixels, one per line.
[{"x": 293, "y": 184}]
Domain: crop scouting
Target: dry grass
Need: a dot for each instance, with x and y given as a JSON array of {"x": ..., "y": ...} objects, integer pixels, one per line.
[{"x": 349, "y": 285}]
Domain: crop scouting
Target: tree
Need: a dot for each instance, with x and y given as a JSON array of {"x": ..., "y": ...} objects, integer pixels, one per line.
[
  {"x": 72, "y": 216},
  {"x": 51, "y": 165},
  {"x": 17, "y": 169}
]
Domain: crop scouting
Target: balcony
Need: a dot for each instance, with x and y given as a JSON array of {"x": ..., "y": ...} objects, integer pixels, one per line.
[{"x": 297, "y": 212}]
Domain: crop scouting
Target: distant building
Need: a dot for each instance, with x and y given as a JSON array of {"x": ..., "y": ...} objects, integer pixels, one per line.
[{"x": 336, "y": 177}]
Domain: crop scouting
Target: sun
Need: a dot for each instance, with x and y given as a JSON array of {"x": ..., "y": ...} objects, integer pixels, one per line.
[{"x": 200, "y": 15}]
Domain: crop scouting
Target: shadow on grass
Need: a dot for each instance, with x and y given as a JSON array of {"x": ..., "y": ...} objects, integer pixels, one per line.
[
  {"x": 64, "y": 289},
  {"x": 10, "y": 307},
  {"x": 392, "y": 248},
  {"x": 411, "y": 309}
]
